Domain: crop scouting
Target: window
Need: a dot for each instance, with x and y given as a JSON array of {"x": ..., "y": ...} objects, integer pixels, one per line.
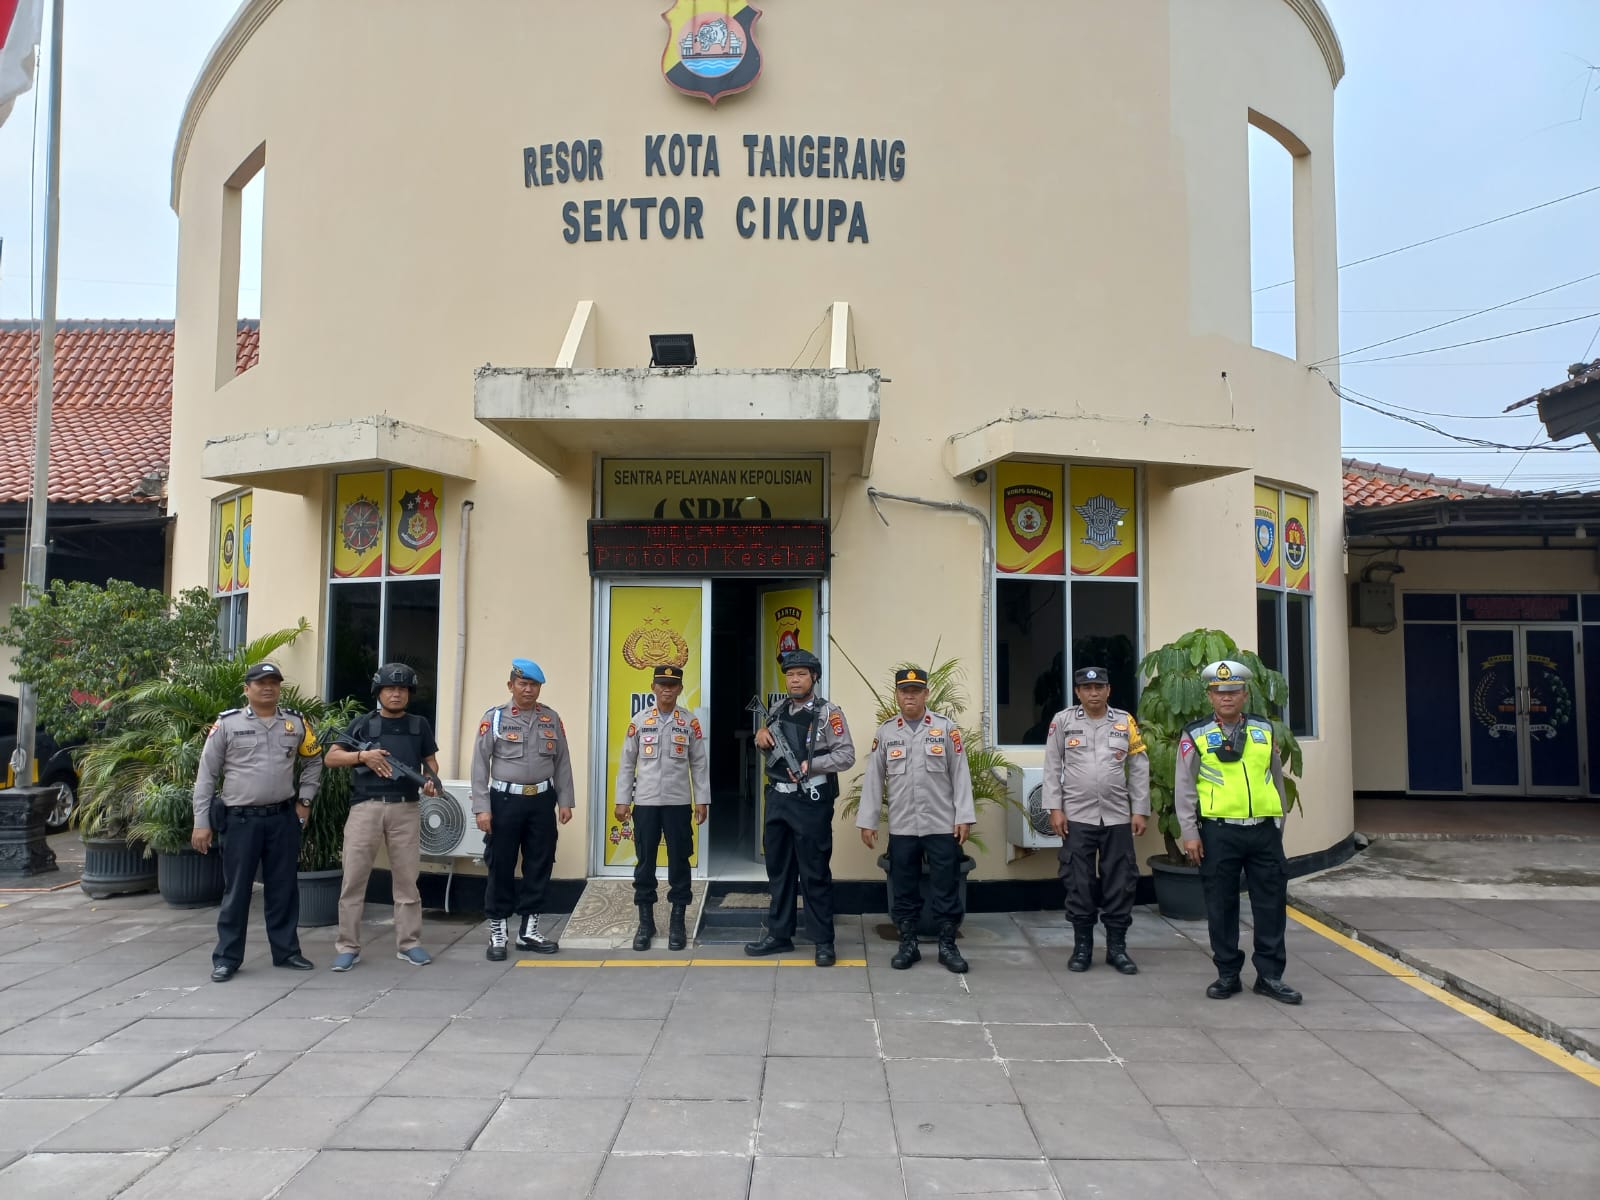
[
  {"x": 1067, "y": 580},
  {"x": 383, "y": 587},
  {"x": 1285, "y": 633},
  {"x": 243, "y": 228},
  {"x": 230, "y": 580}
]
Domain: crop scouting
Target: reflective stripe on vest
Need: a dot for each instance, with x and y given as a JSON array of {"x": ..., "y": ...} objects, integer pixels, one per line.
[{"x": 1237, "y": 789}]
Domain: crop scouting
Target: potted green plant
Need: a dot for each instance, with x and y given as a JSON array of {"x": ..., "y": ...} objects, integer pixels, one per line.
[
  {"x": 947, "y": 696},
  {"x": 1173, "y": 697},
  {"x": 322, "y": 840},
  {"x": 185, "y": 878}
]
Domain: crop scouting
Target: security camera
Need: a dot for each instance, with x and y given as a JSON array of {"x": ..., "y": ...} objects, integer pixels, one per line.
[{"x": 979, "y": 476}]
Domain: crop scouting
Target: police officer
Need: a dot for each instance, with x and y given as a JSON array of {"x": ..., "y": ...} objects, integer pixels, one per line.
[
  {"x": 384, "y": 811},
  {"x": 521, "y": 786},
  {"x": 798, "y": 832},
  {"x": 256, "y": 749},
  {"x": 1230, "y": 802},
  {"x": 919, "y": 755},
  {"x": 1096, "y": 771},
  {"x": 664, "y": 769}
]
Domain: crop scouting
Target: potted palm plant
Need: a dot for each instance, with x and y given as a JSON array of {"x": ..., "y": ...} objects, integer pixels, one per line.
[
  {"x": 1173, "y": 697},
  {"x": 947, "y": 696}
]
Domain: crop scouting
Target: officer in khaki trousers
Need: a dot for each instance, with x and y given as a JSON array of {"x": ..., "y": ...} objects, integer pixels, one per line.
[
  {"x": 665, "y": 769},
  {"x": 256, "y": 749},
  {"x": 1097, "y": 792},
  {"x": 920, "y": 757},
  {"x": 521, "y": 787}
]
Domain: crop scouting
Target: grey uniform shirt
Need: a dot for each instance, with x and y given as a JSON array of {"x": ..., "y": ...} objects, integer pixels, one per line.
[
  {"x": 1096, "y": 771},
  {"x": 256, "y": 757},
  {"x": 1186, "y": 778},
  {"x": 924, "y": 766},
  {"x": 663, "y": 754},
  {"x": 521, "y": 745},
  {"x": 831, "y": 749}
]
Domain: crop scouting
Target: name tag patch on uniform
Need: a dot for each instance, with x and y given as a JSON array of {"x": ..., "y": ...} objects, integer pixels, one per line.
[{"x": 1258, "y": 735}]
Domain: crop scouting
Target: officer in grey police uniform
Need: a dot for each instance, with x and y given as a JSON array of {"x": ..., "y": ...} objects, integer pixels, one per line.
[
  {"x": 1097, "y": 791},
  {"x": 797, "y": 834},
  {"x": 521, "y": 787},
  {"x": 664, "y": 770},
  {"x": 1228, "y": 792},
  {"x": 919, "y": 756},
  {"x": 264, "y": 754}
]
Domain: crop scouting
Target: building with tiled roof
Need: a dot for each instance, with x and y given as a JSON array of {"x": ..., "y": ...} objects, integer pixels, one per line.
[{"x": 1370, "y": 484}]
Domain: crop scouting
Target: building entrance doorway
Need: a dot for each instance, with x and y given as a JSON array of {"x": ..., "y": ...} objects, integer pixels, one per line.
[{"x": 1522, "y": 709}]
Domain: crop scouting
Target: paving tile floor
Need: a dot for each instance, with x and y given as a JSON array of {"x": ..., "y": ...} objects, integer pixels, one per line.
[{"x": 125, "y": 1072}]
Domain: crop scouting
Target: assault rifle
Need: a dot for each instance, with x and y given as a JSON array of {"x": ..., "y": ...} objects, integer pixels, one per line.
[
  {"x": 782, "y": 752},
  {"x": 421, "y": 778}
]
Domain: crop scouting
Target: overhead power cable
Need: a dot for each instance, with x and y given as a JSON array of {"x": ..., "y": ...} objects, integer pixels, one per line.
[
  {"x": 1373, "y": 404},
  {"x": 1441, "y": 237},
  {"x": 1456, "y": 320},
  {"x": 1474, "y": 342}
]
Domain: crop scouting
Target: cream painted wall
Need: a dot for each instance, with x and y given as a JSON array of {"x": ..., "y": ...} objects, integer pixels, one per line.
[
  {"x": 1071, "y": 240},
  {"x": 1377, "y": 661}
]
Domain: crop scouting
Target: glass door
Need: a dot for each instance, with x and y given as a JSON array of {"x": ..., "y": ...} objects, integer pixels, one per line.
[
  {"x": 642, "y": 626},
  {"x": 1494, "y": 707},
  {"x": 1522, "y": 713},
  {"x": 1550, "y": 710}
]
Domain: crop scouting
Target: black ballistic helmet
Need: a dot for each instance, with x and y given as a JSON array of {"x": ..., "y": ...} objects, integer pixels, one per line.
[
  {"x": 394, "y": 675},
  {"x": 802, "y": 658}
]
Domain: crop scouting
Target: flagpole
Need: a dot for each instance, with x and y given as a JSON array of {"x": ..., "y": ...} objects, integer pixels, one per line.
[{"x": 27, "y": 701}]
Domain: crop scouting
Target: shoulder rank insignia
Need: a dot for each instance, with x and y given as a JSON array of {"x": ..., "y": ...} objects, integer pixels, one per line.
[
  {"x": 955, "y": 740},
  {"x": 836, "y": 723},
  {"x": 694, "y": 726}
]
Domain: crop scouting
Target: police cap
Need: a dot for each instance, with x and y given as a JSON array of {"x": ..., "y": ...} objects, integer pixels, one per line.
[
  {"x": 1226, "y": 676},
  {"x": 526, "y": 668},
  {"x": 912, "y": 677},
  {"x": 667, "y": 673},
  {"x": 263, "y": 670},
  {"x": 1090, "y": 675}
]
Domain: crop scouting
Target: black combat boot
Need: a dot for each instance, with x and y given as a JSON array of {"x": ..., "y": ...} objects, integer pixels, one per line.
[
  {"x": 647, "y": 927},
  {"x": 1117, "y": 952},
  {"x": 949, "y": 955},
  {"x": 677, "y": 935},
  {"x": 908, "y": 952},
  {"x": 1082, "y": 948},
  {"x": 497, "y": 940}
]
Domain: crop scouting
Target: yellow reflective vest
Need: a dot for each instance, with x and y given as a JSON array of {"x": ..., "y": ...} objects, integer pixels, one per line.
[{"x": 1235, "y": 789}]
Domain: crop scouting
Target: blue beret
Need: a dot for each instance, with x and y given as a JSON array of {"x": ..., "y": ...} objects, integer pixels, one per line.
[{"x": 526, "y": 668}]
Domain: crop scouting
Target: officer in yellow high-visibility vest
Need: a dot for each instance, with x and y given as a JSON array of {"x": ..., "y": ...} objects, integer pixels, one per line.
[{"x": 1230, "y": 802}]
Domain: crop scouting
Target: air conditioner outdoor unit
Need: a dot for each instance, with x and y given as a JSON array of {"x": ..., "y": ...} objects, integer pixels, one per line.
[
  {"x": 1027, "y": 822},
  {"x": 449, "y": 830}
]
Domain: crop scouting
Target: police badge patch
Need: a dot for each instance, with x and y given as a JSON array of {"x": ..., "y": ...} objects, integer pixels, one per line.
[{"x": 1102, "y": 517}]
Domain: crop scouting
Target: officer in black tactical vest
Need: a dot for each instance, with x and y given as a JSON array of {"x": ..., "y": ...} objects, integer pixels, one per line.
[
  {"x": 798, "y": 832},
  {"x": 384, "y": 811}
]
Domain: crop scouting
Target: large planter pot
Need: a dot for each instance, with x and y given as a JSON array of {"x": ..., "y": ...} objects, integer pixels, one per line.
[
  {"x": 114, "y": 867},
  {"x": 24, "y": 817},
  {"x": 319, "y": 897},
  {"x": 1179, "y": 892},
  {"x": 190, "y": 880},
  {"x": 926, "y": 926}
]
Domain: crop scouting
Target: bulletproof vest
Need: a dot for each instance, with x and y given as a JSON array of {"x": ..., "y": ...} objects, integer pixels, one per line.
[
  {"x": 402, "y": 738},
  {"x": 797, "y": 727}
]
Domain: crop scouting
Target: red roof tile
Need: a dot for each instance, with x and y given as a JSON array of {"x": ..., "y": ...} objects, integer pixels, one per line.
[
  {"x": 111, "y": 418},
  {"x": 1369, "y": 485}
]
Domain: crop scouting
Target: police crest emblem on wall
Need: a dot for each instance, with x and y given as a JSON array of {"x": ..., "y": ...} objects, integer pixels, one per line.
[
  {"x": 1102, "y": 517},
  {"x": 1029, "y": 510},
  {"x": 1266, "y": 534},
  {"x": 711, "y": 47},
  {"x": 419, "y": 522}
]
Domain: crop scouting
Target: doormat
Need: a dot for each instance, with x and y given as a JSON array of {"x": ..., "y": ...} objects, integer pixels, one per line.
[{"x": 605, "y": 916}]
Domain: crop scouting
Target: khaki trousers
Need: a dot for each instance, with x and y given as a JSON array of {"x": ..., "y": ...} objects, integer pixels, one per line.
[{"x": 398, "y": 828}]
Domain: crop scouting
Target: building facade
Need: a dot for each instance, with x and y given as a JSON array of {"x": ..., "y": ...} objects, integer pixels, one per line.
[{"x": 973, "y": 371}]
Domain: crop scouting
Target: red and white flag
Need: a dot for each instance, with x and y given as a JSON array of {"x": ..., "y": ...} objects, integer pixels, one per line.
[{"x": 21, "y": 22}]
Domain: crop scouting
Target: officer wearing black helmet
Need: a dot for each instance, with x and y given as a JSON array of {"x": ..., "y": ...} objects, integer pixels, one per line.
[
  {"x": 384, "y": 811},
  {"x": 798, "y": 832}
]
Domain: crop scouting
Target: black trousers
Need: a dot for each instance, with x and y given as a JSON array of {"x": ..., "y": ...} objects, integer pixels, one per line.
[
  {"x": 942, "y": 853},
  {"x": 798, "y": 838},
  {"x": 1257, "y": 851},
  {"x": 1100, "y": 873},
  {"x": 650, "y": 823},
  {"x": 526, "y": 826},
  {"x": 270, "y": 841}
]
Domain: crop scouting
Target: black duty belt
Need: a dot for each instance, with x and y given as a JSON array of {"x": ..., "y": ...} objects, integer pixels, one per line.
[
  {"x": 384, "y": 798},
  {"x": 260, "y": 810}
]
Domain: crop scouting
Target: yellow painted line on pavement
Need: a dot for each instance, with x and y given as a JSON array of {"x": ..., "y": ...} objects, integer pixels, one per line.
[
  {"x": 1546, "y": 1050},
  {"x": 687, "y": 962}
]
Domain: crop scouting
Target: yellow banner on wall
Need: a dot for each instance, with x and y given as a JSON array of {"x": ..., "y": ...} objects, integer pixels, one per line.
[
  {"x": 1266, "y": 536},
  {"x": 227, "y": 543},
  {"x": 713, "y": 489},
  {"x": 247, "y": 504},
  {"x": 1028, "y": 518},
  {"x": 788, "y": 622},
  {"x": 649, "y": 627},
  {"x": 1295, "y": 535},
  {"x": 358, "y": 526},
  {"x": 415, "y": 545},
  {"x": 1104, "y": 521}
]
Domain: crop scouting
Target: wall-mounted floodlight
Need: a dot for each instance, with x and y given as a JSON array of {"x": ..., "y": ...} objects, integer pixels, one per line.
[{"x": 672, "y": 350}]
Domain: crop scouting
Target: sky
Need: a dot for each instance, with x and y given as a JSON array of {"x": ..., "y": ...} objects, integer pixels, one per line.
[{"x": 1451, "y": 112}]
